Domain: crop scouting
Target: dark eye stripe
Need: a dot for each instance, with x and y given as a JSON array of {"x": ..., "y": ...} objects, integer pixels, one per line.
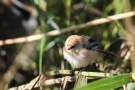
[
  {"x": 91, "y": 40},
  {"x": 72, "y": 46}
]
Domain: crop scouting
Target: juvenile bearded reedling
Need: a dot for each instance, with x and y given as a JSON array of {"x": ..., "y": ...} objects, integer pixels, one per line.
[{"x": 81, "y": 50}]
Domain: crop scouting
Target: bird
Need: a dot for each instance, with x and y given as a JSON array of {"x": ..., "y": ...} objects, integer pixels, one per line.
[{"x": 82, "y": 50}]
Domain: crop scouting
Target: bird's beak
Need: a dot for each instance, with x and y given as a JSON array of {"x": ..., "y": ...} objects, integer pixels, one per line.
[{"x": 68, "y": 48}]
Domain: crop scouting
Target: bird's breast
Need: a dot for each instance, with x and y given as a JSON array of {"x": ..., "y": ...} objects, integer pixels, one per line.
[{"x": 81, "y": 58}]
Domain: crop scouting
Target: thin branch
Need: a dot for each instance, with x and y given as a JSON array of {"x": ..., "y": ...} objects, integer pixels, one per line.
[
  {"x": 68, "y": 29},
  {"x": 22, "y": 39},
  {"x": 42, "y": 83},
  {"x": 64, "y": 84},
  {"x": 91, "y": 23},
  {"x": 40, "y": 77},
  {"x": 132, "y": 57},
  {"x": 85, "y": 73}
]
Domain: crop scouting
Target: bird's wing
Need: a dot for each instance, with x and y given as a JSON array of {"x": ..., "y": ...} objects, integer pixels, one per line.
[
  {"x": 107, "y": 54},
  {"x": 91, "y": 44}
]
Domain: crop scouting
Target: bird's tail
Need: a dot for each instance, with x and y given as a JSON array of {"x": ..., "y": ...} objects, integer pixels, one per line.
[{"x": 107, "y": 54}]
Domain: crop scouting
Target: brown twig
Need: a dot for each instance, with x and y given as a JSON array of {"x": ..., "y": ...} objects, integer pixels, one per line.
[
  {"x": 63, "y": 84},
  {"x": 42, "y": 83},
  {"x": 132, "y": 57},
  {"x": 71, "y": 28},
  {"x": 63, "y": 80},
  {"x": 40, "y": 78}
]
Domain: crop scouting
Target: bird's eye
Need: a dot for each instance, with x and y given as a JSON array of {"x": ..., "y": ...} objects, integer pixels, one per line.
[{"x": 72, "y": 47}]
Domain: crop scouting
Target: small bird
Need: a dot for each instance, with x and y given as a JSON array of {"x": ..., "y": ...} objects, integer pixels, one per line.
[{"x": 81, "y": 51}]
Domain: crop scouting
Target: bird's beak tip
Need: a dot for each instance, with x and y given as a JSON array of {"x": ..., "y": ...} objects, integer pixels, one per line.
[{"x": 68, "y": 48}]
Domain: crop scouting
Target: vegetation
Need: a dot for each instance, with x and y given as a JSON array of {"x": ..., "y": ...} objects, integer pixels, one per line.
[{"x": 32, "y": 59}]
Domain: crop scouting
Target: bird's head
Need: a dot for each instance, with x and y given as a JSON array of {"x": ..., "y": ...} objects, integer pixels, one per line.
[{"x": 74, "y": 43}]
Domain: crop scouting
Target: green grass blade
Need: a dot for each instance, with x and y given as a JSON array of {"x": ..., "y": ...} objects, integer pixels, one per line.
[
  {"x": 107, "y": 83},
  {"x": 42, "y": 44}
]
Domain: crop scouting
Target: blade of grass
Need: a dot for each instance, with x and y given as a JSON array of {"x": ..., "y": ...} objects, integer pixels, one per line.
[
  {"x": 107, "y": 83},
  {"x": 42, "y": 44}
]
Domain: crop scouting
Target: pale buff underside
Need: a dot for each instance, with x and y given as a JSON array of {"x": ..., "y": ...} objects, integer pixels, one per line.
[{"x": 80, "y": 59}]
